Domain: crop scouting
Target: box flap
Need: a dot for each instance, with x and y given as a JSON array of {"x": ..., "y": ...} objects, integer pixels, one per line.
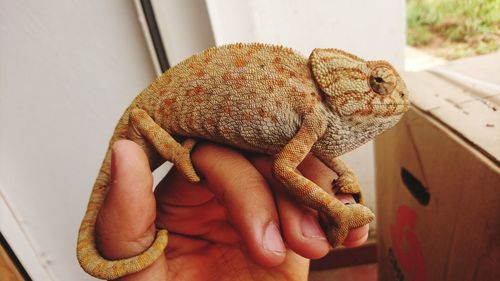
[
  {"x": 485, "y": 68},
  {"x": 462, "y": 101}
]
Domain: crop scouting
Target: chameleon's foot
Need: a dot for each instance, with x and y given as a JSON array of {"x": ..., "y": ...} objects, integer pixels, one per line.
[
  {"x": 182, "y": 161},
  {"x": 342, "y": 220},
  {"x": 348, "y": 184},
  {"x": 189, "y": 144},
  {"x": 184, "y": 165}
]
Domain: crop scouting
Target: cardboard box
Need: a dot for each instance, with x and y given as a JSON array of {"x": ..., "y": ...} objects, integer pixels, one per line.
[{"x": 438, "y": 180}]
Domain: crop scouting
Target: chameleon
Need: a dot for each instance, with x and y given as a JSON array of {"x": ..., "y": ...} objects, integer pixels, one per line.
[{"x": 261, "y": 98}]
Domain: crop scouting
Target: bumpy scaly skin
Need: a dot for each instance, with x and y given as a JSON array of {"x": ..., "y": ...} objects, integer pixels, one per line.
[{"x": 261, "y": 98}]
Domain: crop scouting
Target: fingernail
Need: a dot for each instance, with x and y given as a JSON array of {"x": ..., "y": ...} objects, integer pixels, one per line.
[
  {"x": 310, "y": 228},
  {"x": 272, "y": 240}
]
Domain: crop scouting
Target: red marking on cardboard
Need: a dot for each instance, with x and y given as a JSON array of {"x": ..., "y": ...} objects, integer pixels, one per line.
[{"x": 406, "y": 245}]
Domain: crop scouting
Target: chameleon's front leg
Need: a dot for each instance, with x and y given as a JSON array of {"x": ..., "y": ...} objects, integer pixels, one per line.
[{"x": 340, "y": 218}]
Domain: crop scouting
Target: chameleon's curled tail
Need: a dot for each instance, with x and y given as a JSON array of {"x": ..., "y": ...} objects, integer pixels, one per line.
[{"x": 89, "y": 257}]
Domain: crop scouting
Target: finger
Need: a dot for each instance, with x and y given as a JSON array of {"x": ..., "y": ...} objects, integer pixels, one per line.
[
  {"x": 247, "y": 199},
  {"x": 124, "y": 225},
  {"x": 191, "y": 209},
  {"x": 300, "y": 225},
  {"x": 357, "y": 236}
]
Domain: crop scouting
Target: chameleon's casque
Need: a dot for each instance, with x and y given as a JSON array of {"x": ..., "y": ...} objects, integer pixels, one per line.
[{"x": 261, "y": 98}]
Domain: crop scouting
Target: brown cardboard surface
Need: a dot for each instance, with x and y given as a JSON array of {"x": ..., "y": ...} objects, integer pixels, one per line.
[
  {"x": 484, "y": 68},
  {"x": 456, "y": 236},
  {"x": 472, "y": 114}
]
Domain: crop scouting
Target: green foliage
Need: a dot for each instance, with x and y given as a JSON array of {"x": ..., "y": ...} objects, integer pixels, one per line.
[{"x": 456, "y": 24}]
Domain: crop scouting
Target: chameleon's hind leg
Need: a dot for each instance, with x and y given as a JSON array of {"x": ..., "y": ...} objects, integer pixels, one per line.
[
  {"x": 340, "y": 218},
  {"x": 164, "y": 143}
]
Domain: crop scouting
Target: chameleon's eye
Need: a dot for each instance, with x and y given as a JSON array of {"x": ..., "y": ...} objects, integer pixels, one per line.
[
  {"x": 382, "y": 81},
  {"x": 377, "y": 85}
]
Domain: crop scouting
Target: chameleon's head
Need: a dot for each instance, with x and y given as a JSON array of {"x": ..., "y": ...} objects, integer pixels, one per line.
[{"x": 356, "y": 89}]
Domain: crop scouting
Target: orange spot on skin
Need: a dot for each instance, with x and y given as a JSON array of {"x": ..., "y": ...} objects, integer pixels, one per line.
[
  {"x": 250, "y": 52},
  {"x": 195, "y": 91},
  {"x": 167, "y": 79},
  {"x": 208, "y": 58},
  {"x": 226, "y": 77},
  {"x": 199, "y": 90},
  {"x": 278, "y": 65},
  {"x": 247, "y": 116},
  {"x": 200, "y": 73},
  {"x": 240, "y": 81},
  {"x": 240, "y": 62},
  {"x": 280, "y": 82},
  {"x": 168, "y": 102},
  {"x": 211, "y": 121},
  {"x": 189, "y": 121},
  {"x": 365, "y": 111},
  {"x": 263, "y": 113},
  {"x": 198, "y": 99},
  {"x": 317, "y": 96}
]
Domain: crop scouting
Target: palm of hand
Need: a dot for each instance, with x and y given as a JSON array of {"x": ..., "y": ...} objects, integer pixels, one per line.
[
  {"x": 203, "y": 245},
  {"x": 224, "y": 228}
]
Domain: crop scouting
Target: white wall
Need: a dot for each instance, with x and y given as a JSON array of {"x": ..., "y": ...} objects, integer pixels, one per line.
[
  {"x": 370, "y": 29},
  {"x": 67, "y": 71}
]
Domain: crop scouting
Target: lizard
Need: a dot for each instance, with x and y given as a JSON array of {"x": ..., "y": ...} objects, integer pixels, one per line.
[{"x": 261, "y": 98}]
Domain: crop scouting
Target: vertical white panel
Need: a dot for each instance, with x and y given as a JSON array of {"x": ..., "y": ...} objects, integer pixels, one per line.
[
  {"x": 184, "y": 26},
  {"x": 68, "y": 70},
  {"x": 232, "y": 21}
]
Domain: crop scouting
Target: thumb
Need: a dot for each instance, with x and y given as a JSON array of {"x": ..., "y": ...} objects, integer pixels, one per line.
[{"x": 125, "y": 224}]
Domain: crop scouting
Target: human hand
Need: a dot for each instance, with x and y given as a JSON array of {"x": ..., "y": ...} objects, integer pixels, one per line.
[{"x": 230, "y": 226}]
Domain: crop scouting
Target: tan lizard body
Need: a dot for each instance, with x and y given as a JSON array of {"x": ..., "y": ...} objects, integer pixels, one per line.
[{"x": 261, "y": 98}]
